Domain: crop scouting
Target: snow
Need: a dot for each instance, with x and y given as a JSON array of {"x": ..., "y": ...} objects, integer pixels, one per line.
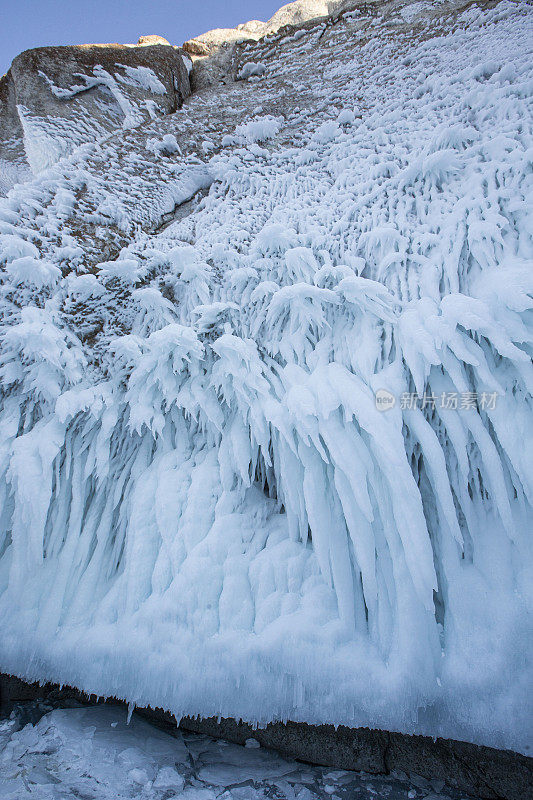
[
  {"x": 12, "y": 173},
  {"x": 346, "y": 116},
  {"x": 203, "y": 508},
  {"x": 187, "y": 63},
  {"x": 126, "y": 270},
  {"x": 251, "y": 70},
  {"x": 32, "y": 272},
  {"x": 144, "y": 77},
  {"x": 260, "y": 129},
  {"x": 58, "y": 753},
  {"x": 167, "y": 146}
]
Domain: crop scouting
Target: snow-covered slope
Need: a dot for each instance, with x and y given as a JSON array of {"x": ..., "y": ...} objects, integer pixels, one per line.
[{"x": 205, "y": 505}]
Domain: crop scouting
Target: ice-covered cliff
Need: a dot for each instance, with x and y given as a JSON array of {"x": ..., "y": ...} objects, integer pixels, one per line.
[{"x": 266, "y": 430}]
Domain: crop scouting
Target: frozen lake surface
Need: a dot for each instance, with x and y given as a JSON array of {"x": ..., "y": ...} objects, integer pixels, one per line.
[{"x": 94, "y": 754}]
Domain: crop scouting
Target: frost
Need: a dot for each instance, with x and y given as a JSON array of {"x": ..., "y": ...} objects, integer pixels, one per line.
[
  {"x": 167, "y": 146},
  {"x": 260, "y": 129},
  {"x": 327, "y": 132},
  {"x": 84, "y": 287},
  {"x": 13, "y": 247},
  {"x": 126, "y": 270},
  {"x": 187, "y": 63},
  {"x": 346, "y": 117},
  {"x": 33, "y": 272},
  {"x": 250, "y": 69},
  {"x": 144, "y": 77}
]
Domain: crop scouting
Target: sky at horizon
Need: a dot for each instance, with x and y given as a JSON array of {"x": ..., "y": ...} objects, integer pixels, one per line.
[{"x": 36, "y": 23}]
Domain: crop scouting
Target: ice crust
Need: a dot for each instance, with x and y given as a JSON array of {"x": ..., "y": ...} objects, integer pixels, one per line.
[
  {"x": 61, "y": 753},
  {"x": 202, "y": 507}
]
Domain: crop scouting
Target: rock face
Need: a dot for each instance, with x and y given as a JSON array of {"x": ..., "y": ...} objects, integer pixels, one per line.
[
  {"x": 152, "y": 39},
  {"x": 55, "y": 98},
  {"x": 301, "y": 11},
  {"x": 291, "y": 14}
]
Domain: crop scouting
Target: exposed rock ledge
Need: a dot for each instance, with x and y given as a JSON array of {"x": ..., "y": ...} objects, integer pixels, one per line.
[
  {"x": 54, "y": 99},
  {"x": 483, "y": 772}
]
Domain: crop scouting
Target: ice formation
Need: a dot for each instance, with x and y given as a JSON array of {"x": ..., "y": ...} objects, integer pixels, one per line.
[
  {"x": 204, "y": 507},
  {"x": 61, "y": 753}
]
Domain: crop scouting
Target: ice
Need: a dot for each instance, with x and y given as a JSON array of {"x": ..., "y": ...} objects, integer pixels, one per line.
[
  {"x": 327, "y": 132},
  {"x": 346, "y": 116},
  {"x": 92, "y": 752},
  {"x": 252, "y": 743},
  {"x": 187, "y": 62},
  {"x": 203, "y": 508},
  {"x": 12, "y": 173},
  {"x": 125, "y": 270},
  {"x": 88, "y": 750},
  {"x": 14, "y": 247},
  {"x": 260, "y": 129},
  {"x": 250, "y": 69},
  {"x": 28, "y": 271},
  {"x": 167, "y": 146},
  {"x": 225, "y": 766},
  {"x": 143, "y": 77}
]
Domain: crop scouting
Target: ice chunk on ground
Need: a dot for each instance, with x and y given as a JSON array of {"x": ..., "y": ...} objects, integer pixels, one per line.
[{"x": 93, "y": 752}]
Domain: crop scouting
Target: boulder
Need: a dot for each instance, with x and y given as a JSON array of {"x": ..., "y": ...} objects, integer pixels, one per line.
[
  {"x": 153, "y": 39},
  {"x": 299, "y": 12},
  {"x": 55, "y": 98}
]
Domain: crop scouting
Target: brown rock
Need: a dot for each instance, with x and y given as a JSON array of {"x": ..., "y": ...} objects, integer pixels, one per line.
[{"x": 153, "y": 39}]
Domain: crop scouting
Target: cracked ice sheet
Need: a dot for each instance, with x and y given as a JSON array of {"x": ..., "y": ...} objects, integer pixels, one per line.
[{"x": 94, "y": 754}]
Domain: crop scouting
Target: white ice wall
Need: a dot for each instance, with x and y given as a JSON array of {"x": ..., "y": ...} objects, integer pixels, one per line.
[{"x": 208, "y": 512}]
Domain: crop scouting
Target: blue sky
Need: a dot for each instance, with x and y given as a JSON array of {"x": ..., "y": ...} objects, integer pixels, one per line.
[{"x": 33, "y": 23}]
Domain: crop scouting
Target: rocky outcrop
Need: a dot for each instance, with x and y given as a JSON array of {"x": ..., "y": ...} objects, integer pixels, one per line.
[
  {"x": 56, "y": 98},
  {"x": 291, "y": 14},
  {"x": 213, "y": 52},
  {"x": 152, "y": 39},
  {"x": 480, "y": 771},
  {"x": 13, "y": 163}
]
